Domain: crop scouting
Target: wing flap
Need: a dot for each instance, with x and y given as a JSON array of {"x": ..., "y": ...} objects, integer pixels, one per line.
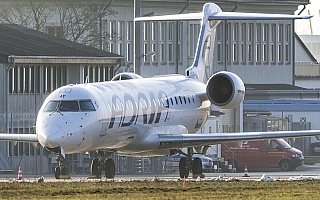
[
  {"x": 19, "y": 137},
  {"x": 190, "y": 140}
]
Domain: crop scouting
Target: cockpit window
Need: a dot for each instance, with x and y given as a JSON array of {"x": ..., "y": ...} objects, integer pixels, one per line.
[
  {"x": 51, "y": 106},
  {"x": 70, "y": 106},
  {"x": 86, "y": 105}
]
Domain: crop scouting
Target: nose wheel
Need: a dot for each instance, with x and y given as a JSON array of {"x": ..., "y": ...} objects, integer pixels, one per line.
[{"x": 61, "y": 172}]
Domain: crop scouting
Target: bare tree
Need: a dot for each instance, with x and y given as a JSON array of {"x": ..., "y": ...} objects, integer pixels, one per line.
[
  {"x": 79, "y": 21},
  {"x": 26, "y": 13}
]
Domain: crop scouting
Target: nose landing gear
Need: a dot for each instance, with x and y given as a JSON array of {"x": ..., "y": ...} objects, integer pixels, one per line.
[{"x": 61, "y": 172}]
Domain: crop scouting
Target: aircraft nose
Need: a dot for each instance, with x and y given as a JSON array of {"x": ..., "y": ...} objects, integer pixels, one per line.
[{"x": 51, "y": 136}]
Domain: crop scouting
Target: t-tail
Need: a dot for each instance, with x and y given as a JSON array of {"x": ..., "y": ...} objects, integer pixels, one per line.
[
  {"x": 210, "y": 18},
  {"x": 204, "y": 53}
]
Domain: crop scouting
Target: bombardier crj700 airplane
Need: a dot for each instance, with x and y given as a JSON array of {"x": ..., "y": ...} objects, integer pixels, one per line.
[{"x": 135, "y": 116}]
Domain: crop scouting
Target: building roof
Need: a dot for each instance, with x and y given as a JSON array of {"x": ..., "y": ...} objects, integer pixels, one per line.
[
  {"x": 272, "y": 87},
  {"x": 19, "y": 41}
]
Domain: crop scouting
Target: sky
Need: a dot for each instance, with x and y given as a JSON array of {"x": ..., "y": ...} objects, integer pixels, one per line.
[{"x": 312, "y": 26}]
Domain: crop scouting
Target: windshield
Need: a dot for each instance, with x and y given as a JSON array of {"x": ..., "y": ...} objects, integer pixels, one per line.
[
  {"x": 86, "y": 105},
  {"x": 51, "y": 106},
  {"x": 69, "y": 106},
  {"x": 284, "y": 144}
]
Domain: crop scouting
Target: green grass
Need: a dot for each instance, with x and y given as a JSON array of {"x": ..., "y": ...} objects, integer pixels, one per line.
[{"x": 161, "y": 190}]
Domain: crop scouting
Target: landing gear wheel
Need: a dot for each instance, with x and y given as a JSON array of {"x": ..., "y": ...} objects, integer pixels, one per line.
[
  {"x": 110, "y": 168},
  {"x": 285, "y": 165},
  {"x": 183, "y": 168},
  {"x": 95, "y": 167},
  {"x": 57, "y": 172},
  {"x": 197, "y": 166}
]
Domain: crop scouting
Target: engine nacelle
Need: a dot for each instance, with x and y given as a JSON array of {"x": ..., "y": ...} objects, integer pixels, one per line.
[{"x": 225, "y": 90}]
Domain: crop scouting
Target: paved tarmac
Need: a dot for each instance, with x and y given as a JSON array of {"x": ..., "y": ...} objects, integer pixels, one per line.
[{"x": 254, "y": 174}]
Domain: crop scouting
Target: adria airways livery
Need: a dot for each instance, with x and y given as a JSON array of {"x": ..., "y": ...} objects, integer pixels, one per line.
[{"x": 135, "y": 116}]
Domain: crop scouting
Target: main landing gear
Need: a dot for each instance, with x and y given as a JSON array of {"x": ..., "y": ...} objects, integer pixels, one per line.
[
  {"x": 100, "y": 164},
  {"x": 186, "y": 164}
]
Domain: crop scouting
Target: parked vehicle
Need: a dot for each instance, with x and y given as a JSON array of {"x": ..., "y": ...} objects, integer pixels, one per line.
[
  {"x": 172, "y": 163},
  {"x": 262, "y": 154}
]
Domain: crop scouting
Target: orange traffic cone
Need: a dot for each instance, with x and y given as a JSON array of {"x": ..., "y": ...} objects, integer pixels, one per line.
[
  {"x": 246, "y": 172},
  {"x": 20, "y": 174}
]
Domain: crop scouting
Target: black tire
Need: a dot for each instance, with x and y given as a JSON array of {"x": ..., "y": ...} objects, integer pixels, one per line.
[
  {"x": 183, "y": 168},
  {"x": 95, "y": 167},
  {"x": 110, "y": 168},
  {"x": 285, "y": 165},
  {"x": 57, "y": 172},
  {"x": 197, "y": 166}
]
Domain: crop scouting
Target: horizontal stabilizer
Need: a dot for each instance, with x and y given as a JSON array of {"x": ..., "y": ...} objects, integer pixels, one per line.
[
  {"x": 177, "y": 17},
  {"x": 253, "y": 16},
  {"x": 223, "y": 16}
]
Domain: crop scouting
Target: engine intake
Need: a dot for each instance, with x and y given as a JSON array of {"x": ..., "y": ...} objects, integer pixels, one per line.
[{"x": 225, "y": 90}]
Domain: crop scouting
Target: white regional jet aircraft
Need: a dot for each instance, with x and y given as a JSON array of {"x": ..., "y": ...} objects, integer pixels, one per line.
[{"x": 135, "y": 116}]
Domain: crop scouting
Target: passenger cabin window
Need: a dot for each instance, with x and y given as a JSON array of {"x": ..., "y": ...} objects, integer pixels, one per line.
[{"x": 69, "y": 106}]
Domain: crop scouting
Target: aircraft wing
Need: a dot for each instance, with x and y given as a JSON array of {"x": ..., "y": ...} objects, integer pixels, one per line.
[
  {"x": 18, "y": 137},
  {"x": 190, "y": 140},
  {"x": 222, "y": 16}
]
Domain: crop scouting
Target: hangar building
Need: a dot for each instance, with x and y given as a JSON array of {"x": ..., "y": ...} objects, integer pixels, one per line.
[{"x": 32, "y": 65}]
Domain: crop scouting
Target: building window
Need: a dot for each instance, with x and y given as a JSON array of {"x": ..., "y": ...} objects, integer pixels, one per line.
[
  {"x": 97, "y": 73},
  {"x": 129, "y": 50},
  {"x": 235, "y": 40},
  {"x": 258, "y": 43},
  {"x": 162, "y": 41},
  {"x": 251, "y": 34},
  {"x": 54, "y": 77},
  {"x": 273, "y": 43},
  {"x": 154, "y": 37},
  {"x": 55, "y": 31},
  {"x": 170, "y": 41},
  {"x": 265, "y": 40}
]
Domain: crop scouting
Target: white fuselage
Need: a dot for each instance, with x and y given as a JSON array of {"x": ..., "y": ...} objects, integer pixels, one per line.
[{"x": 122, "y": 116}]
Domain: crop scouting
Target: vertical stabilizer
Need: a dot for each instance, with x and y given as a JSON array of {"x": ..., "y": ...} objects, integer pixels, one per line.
[{"x": 205, "y": 47}]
